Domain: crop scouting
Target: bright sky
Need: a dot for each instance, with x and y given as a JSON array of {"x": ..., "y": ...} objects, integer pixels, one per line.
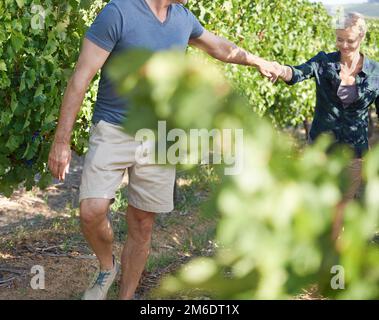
[{"x": 334, "y": 2}]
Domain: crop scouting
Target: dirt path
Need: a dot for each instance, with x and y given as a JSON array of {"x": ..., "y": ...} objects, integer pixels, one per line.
[{"x": 42, "y": 228}]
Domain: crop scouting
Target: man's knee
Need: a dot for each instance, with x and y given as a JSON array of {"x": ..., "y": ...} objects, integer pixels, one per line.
[
  {"x": 93, "y": 210},
  {"x": 140, "y": 224}
]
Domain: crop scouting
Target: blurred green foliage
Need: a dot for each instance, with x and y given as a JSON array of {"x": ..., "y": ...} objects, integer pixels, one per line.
[{"x": 276, "y": 215}]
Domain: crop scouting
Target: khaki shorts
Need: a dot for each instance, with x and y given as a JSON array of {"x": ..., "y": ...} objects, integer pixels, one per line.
[{"x": 110, "y": 156}]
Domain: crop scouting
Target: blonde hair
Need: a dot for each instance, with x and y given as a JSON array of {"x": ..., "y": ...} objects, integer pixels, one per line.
[{"x": 354, "y": 20}]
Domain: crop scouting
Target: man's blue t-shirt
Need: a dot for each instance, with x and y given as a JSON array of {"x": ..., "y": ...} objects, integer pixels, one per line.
[{"x": 127, "y": 24}]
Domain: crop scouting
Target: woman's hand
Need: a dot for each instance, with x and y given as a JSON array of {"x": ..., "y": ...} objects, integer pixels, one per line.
[{"x": 285, "y": 73}]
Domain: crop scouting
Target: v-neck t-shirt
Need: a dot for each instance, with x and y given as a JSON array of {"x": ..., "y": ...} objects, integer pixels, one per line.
[{"x": 131, "y": 24}]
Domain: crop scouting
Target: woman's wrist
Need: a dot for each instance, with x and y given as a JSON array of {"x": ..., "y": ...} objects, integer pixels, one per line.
[{"x": 285, "y": 73}]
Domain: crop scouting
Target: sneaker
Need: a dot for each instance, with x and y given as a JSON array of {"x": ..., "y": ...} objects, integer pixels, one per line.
[{"x": 99, "y": 290}]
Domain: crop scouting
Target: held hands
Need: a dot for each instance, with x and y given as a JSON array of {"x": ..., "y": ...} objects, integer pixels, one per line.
[
  {"x": 59, "y": 159},
  {"x": 271, "y": 70}
]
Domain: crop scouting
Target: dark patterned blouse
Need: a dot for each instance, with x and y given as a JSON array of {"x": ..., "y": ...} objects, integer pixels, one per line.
[{"x": 348, "y": 124}]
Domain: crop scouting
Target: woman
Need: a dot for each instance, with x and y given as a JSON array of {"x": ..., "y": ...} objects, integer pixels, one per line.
[{"x": 347, "y": 84}]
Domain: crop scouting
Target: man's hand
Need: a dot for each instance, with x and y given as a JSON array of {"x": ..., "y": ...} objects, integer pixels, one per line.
[
  {"x": 59, "y": 159},
  {"x": 270, "y": 70}
]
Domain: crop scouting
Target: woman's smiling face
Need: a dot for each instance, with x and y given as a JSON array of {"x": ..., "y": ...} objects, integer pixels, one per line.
[
  {"x": 348, "y": 41},
  {"x": 350, "y": 33}
]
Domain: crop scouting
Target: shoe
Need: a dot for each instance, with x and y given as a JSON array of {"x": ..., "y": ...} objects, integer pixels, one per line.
[{"x": 104, "y": 280}]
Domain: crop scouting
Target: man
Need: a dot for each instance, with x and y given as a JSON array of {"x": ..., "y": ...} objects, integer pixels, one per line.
[{"x": 121, "y": 25}]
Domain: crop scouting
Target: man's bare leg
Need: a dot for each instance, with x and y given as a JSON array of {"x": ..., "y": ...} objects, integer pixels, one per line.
[
  {"x": 136, "y": 250},
  {"x": 97, "y": 229}
]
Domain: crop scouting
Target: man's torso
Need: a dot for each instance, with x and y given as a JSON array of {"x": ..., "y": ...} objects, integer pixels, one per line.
[{"x": 132, "y": 24}]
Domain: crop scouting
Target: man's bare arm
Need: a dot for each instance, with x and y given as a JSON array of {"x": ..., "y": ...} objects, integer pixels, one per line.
[
  {"x": 226, "y": 51},
  {"x": 91, "y": 59}
]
